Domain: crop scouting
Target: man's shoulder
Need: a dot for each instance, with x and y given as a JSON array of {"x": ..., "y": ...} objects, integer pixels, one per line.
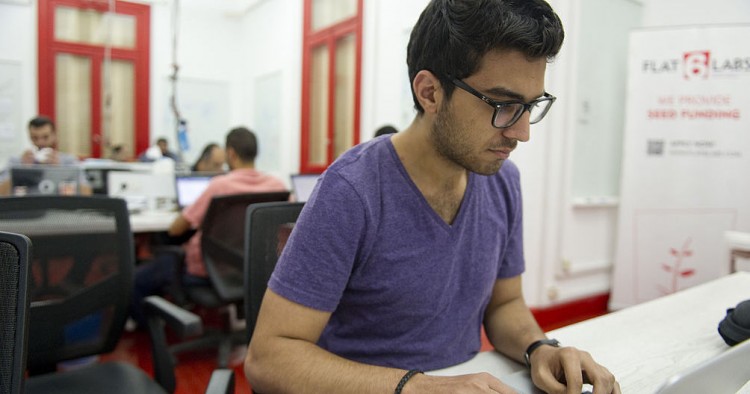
[{"x": 360, "y": 159}]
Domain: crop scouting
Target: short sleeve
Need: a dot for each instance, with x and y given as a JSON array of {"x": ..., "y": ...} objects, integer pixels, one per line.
[{"x": 319, "y": 257}]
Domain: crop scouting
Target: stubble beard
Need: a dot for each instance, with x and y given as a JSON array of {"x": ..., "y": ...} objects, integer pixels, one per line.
[{"x": 451, "y": 141}]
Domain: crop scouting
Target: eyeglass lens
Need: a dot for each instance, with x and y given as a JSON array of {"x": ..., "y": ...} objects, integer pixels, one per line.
[{"x": 507, "y": 114}]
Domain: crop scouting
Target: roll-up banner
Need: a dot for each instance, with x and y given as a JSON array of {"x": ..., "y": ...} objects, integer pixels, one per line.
[{"x": 686, "y": 159}]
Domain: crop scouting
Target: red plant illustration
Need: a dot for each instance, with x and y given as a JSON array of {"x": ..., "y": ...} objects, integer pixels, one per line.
[{"x": 676, "y": 270}]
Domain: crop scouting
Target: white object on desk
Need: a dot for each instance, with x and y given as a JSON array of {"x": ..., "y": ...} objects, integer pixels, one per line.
[
  {"x": 645, "y": 344},
  {"x": 152, "y": 221}
]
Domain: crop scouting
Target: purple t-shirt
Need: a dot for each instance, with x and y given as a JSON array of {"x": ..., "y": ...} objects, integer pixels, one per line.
[{"x": 405, "y": 289}]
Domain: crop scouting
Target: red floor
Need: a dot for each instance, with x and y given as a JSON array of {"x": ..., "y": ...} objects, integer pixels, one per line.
[{"x": 193, "y": 370}]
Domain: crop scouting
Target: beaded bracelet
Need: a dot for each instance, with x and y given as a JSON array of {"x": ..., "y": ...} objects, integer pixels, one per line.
[{"x": 406, "y": 379}]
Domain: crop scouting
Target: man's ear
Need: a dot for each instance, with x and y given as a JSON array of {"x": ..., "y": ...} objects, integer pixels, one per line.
[{"x": 428, "y": 90}]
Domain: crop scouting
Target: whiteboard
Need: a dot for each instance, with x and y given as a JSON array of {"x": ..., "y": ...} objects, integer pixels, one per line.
[{"x": 205, "y": 105}]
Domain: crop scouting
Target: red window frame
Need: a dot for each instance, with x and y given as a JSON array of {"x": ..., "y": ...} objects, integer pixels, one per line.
[
  {"x": 312, "y": 39},
  {"x": 139, "y": 56}
]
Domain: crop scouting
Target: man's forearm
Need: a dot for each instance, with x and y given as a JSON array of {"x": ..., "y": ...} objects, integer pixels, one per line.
[
  {"x": 511, "y": 328},
  {"x": 284, "y": 365}
]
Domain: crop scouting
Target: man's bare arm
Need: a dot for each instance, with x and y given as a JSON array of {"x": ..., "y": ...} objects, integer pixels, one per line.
[
  {"x": 179, "y": 226},
  {"x": 509, "y": 324},
  {"x": 283, "y": 357},
  {"x": 512, "y": 328}
]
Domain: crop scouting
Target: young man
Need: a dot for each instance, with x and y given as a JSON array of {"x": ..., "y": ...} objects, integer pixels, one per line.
[
  {"x": 43, "y": 136},
  {"x": 409, "y": 244},
  {"x": 241, "y": 150}
]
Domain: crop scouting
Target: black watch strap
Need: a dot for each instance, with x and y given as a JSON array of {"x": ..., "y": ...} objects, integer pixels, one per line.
[{"x": 536, "y": 344}]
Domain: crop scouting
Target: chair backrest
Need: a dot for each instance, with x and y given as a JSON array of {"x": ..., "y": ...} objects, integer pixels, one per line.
[
  {"x": 15, "y": 251},
  {"x": 269, "y": 225},
  {"x": 223, "y": 240},
  {"x": 81, "y": 273}
]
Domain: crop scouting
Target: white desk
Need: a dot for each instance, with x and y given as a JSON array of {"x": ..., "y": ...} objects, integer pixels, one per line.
[
  {"x": 151, "y": 221},
  {"x": 644, "y": 344}
]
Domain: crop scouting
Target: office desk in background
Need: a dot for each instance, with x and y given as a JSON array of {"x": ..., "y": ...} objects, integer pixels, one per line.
[
  {"x": 645, "y": 344},
  {"x": 152, "y": 221}
]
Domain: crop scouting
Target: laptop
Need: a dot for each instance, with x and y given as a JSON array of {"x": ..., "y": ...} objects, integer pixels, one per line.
[
  {"x": 727, "y": 372},
  {"x": 303, "y": 185},
  {"x": 45, "y": 180},
  {"x": 190, "y": 186}
]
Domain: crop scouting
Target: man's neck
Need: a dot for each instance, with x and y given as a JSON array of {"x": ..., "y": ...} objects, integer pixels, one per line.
[
  {"x": 243, "y": 166},
  {"x": 421, "y": 159}
]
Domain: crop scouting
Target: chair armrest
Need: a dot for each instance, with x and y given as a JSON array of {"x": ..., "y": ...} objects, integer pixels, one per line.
[
  {"x": 184, "y": 323},
  {"x": 222, "y": 382},
  {"x": 160, "y": 312}
]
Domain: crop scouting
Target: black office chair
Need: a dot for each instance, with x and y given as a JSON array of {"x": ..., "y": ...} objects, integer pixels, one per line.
[
  {"x": 15, "y": 253},
  {"x": 82, "y": 274},
  {"x": 222, "y": 245},
  {"x": 269, "y": 225}
]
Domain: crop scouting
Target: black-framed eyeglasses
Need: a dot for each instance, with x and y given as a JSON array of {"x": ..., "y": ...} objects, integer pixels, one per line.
[{"x": 507, "y": 113}]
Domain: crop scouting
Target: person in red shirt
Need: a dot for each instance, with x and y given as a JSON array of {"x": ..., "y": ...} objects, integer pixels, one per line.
[{"x": 153, "y": 277}]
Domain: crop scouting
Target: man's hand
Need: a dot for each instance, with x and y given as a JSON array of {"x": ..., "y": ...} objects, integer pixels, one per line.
[
  {"x": 27, "y": 157},
  {"x": 462, "y": 384},
  {"x": 53, "y": 158},
  {"x": 566, "y": 369}
]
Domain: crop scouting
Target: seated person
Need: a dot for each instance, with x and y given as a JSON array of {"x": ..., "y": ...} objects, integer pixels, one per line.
[
  {"x": 43, "y": 135},
  {"x": 153, "y": 277},
  {"x": 211, "y": 159},
  {"x": 412, "y": 244},
  {"x": 158, "y": 151}
]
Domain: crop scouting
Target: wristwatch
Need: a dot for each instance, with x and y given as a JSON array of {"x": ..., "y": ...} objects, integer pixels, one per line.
[{"x": 536, "y": 344}]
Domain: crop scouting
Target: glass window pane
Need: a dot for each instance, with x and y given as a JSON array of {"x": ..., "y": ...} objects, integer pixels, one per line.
[
  {"x": 329, "y": 12},
  {"x": 318, "y": 147},
  {"x": 73, "y": 104},
  {"x": 86, "y": 26},
  {"x": 118, "y": 119},
  {"x": 344, "y": 99}
]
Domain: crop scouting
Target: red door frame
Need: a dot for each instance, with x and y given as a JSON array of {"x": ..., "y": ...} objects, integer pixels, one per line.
[
  {"x": 140, "y": 57},
  {"x": 328, "y": 37}
]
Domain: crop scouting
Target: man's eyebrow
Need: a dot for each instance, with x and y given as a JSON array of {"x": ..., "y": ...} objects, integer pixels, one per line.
[{"x": 500, "y": 91}]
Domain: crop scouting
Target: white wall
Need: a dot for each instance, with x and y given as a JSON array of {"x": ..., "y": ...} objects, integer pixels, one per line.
[
  {"x": 18, "y": 48},
  {"x": 271, "y": 82},
  {"x": 208, "y": 56}
]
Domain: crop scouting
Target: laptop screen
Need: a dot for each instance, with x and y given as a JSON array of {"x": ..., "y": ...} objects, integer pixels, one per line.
[
  {"x": 303, "y": 185},
  {"x": 190, "y": 187},
  {"x": 46, "y": 180}
]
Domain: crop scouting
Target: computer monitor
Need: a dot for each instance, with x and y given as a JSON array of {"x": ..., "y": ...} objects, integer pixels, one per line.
[
  {"x": 98, "y": 171},
  {"x": 45, "y": 180},
  {"x": 190, "y": 186},
  {"x": 303, "y": 185},
  {"x": 143, "y": 191}
]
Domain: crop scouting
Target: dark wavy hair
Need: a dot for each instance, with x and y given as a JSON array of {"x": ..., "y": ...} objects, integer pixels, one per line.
[{"x": 451, "y": 36}]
